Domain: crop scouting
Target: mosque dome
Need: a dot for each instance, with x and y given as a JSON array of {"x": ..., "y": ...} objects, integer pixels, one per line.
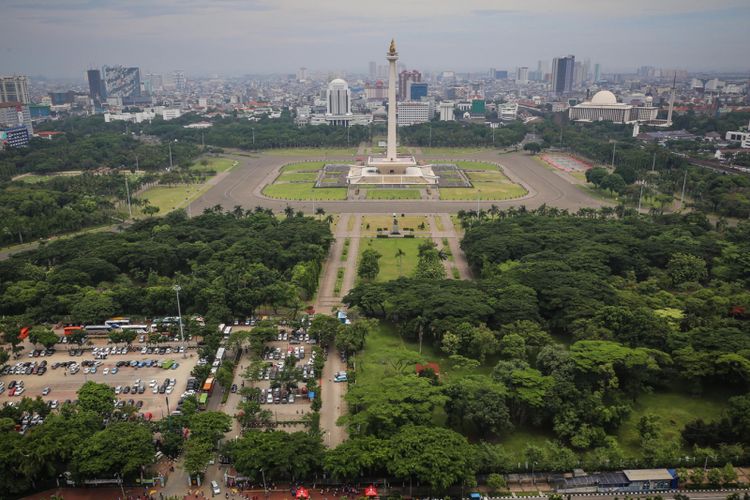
[{"x": 604, "y": 98}]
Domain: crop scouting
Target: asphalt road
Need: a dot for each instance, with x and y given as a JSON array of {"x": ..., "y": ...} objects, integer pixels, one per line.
[{"x": 243, "y": 185}]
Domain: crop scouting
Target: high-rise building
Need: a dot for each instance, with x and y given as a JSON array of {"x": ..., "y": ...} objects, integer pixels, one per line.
[
  {"x": 338, "y": 98},
  {"x": 492, "y": 73},
  {"x": 155, "y": 81},
  {"x": 410, "y": 113},
  {"x": 522, "y": 75},
  {"x": 416, "y": 91},
  {"x": 446, "y": 111},
  {"x": 577, "y": 74},
  {"x": 96, "y": 86},
  {"x": 302, "y": 75},
  {"x": 373, "y": 69},
  {"x": 16, "y": 114},
  {"x": 562, "y": 74},
  {"x": 180, "y": 82},
  {"x": 14, "y": 89},
  {"x": 120, "y": 81},
  {"x": 501, "y": 75},
  {"x": 597, "y": 73},
  {"x": 404, "y": 77}
]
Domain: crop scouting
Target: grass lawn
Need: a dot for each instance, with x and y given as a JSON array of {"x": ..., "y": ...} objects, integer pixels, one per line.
[
  {"x": 217, "y": 165},
  {"x": 172, "y": 198},
  {"x": 386, "y": 221},
  {"x": 488, "y": 185},
  {"x": 307, "y": 166},
  {"x": 439, "y": 223},
  {"x": 476, "y": 165},
  {"x": 33, "y": 178},
  {"x": 297, "y": 177},
  {"x": 436, "y": 151},
  {"x": 387, "y": 247},
  {"x": 674, "y": 410},
  {"x": 318, "y": 152},
  {"x": 303, "y": 191},
  {"x": 393, "y": 194}
]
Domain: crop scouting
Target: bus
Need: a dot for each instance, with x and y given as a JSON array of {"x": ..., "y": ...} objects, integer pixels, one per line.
[
  {"x": 208, "y": 385},
  {"x": 97, "y": 329},
  {"x": 137, "y": 328},
  {"x": 68, "y": 330},
  {"x": 203, "y": 401},
  {"x": 117, "y": 322}
]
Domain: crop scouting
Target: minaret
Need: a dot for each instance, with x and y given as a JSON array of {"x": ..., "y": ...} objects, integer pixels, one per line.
[{"x": 392, "y": 56}]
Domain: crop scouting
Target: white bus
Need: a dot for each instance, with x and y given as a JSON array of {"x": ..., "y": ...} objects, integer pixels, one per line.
[
  {"x": 137, "y": 328},
  {"x": 117, "y": 322},
  {"x": 94, "y": 329}
]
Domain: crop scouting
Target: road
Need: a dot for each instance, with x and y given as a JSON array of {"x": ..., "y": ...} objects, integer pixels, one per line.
[{"x": 243, "y": 184}]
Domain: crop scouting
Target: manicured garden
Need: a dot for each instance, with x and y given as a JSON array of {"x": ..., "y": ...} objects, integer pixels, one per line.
[
  {"x": 391, "y": 266},
  {"x": 489, "y": 184},
  {"x": 313, "y": 152},
  {"x": 297, "y": 182},
  {"x": 392, "y": 194}
]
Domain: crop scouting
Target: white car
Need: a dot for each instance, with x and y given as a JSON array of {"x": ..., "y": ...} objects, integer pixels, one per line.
[
  {"x": 45, "y": 391},
  {"x": 155, "y": 390},
  {"x": 86, "y": 370},
  {"x": 118, "y": 389},
  {"x": 105, "y": 371},
  {"x": 152, "y": 383}
]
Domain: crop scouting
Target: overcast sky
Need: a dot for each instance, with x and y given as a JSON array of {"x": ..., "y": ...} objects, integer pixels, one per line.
[{"x": 234, "y": 37}]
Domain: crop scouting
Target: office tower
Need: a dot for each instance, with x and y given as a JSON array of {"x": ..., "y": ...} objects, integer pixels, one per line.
[
  {"x": 577, "y": 74},
  {"x": 492, "y": 73},
  {"x": 373, "y": 69},
  {"x": 302, "y": 75},
  {"x": 120, "y": 81},
  {"x": 597, "y": 73},
  {"x": 562, "y": 74},
  {"x": 501, "y": 75},
  {"x": 404, "y": 77},
  {"x": 14, "y": 89},
  {"x": 338, "y": 98},
  {"x": 416, "y": 91},
  {"x": 154, "y": 81},
  {"x": 96, "y": 86},
  {"x": 522, "y": 75},
  {"x": 179, "y": 80},
  {"x": 586, "y": 70}
]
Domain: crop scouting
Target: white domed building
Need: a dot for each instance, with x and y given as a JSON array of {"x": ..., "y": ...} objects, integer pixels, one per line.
[{"x": 604, "y": 107}]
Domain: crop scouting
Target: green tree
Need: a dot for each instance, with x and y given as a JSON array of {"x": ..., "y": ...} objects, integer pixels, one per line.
[
  {"x": 452, "y": 459},
  {"x": 92, "y": 307},
  {"x": 369, "y": 265},
  {"x": 714, "y": 476},
  {"x": 429, "y": 263},
  {"x": 685, "y": 268},
  {"x": 95, "y": 458},
  {"x": 356, "y": 457},
  {"x": 197, "y": 455},
  {"x": 325, "y": 329},
  {"x": 478, "y": 403},
  {"x": 496, "y": 482},
  {"x": 43, "y": 335},
  {"x": 97, "y": 398},
  {"x": 728, "y": 474}
]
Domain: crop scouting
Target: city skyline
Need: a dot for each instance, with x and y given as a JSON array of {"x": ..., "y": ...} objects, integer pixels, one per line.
[{"x": 234, "y": 37}]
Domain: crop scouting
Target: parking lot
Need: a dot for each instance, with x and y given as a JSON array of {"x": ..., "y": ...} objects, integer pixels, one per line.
[{"x": 63, "y": 379}]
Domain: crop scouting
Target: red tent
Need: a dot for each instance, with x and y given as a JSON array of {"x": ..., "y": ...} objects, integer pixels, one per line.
[
  {"x": 24, "y": 333},
  {"x": 370, "y": 491},
  {"x": 302, "y": 492}
]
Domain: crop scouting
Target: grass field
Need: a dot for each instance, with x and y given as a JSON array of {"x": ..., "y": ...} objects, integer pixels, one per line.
[
  {"x": 297, "y": 182},
  {"x": 488, "y": 185},
  {"x": 315, "y": 152},
  {"x": 172, "y": 198},
  {"x": 451, "y": 152},
  {"x": 674, "y": 410},
  {"x": 305, "y": 165},
  {"x": 387, "y": 247},
  {"x": 217, "y": 165},
  {"x": 393, "y": 194},
  {"x": 297, "y": 177},
  {"x": 476, "y": 165},
  {"x": 303, "y": 191},
  {"x": 386, "y": 221}
]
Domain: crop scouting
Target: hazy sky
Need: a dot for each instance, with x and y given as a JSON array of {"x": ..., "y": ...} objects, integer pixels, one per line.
[{"x": 234, "y": 37}]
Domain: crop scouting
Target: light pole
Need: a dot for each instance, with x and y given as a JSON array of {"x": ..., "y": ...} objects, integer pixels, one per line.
[
  {"x": 265, "y": 488},
  {"x": 177, "y": 289},
  {"x": 614, "y": 147}
]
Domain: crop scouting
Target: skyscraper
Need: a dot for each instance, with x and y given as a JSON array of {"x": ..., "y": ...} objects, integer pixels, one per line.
[
  {"x": 302, "y": 74},
  {"x": 338, "y": 98},
  {"x": 14, "y": 89},
  {"x": 522, "y": 75},
  {"x": 179, "y": 80},
  {"x": 562, "y": 74},
  {"x": 96, "y": 86},
  {"x": 404, "y": 77},
  {"x": 597, "y": 73},
  {"x": 120, "y": 81},
  {"x": 373, "y": 69}
]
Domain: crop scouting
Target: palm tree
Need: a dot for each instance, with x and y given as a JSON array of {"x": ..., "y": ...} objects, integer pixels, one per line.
[
  {"x": 399, "y": 255},
  {"x": 289, "y": 212},
  {"x": 320, "y": 211}
]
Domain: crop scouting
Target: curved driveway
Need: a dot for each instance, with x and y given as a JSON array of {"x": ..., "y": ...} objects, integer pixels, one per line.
[{"x": 243, "y": 185}]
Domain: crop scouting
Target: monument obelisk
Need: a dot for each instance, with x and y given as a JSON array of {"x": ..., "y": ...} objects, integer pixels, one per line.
[{"x": 392, "y": 57}]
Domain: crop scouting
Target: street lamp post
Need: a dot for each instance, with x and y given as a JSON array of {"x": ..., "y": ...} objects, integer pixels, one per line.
[
  {"x": 177, "y": 289},
  {"x": 265, "y": 488}
]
